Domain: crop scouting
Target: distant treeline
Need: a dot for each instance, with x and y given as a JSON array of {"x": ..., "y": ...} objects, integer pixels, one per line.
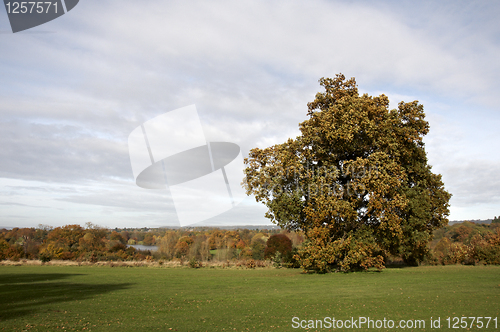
[
  {"x": 465, "y": 243},
  {"x": 73, "y": 242}
]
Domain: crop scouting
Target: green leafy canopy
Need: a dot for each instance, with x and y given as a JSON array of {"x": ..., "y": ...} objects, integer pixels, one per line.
[{"x": 356, "y": 180}]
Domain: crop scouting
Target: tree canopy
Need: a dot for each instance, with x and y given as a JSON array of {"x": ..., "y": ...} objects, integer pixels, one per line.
[{"x": 356, "y": 181}]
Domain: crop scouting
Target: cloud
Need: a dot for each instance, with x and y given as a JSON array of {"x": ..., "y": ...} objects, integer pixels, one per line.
[
  {"x": 61, "y": 153},
  {"x": 69, "y": 99},
  {"x": 476, "y": 182}
]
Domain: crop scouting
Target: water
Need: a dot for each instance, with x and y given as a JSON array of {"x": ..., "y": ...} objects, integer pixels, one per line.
[{"x": 141, "y": 247}]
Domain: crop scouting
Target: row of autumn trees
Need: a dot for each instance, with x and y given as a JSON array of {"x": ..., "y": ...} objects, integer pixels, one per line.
[
  {"x": 70, "y": 242},
  {"x": 73, "y": 242},
  {"x": 465, "y": 243}
]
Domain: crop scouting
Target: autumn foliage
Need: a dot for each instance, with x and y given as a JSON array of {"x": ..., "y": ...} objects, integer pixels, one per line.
[
  {"x": 356, "y": 181},
  {"x": 93, "y": 244},
  {"x": 466, "y": 243}
]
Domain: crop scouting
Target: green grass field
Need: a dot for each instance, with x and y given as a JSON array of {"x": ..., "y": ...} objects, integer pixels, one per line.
[{"x": 93, "y": 298}]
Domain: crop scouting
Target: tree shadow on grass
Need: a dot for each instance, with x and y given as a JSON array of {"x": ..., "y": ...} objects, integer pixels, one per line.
[
  {"x": 25, "y": 294},
  {"x": 15, "y": 278},
  {"x": 396, "y": 267}
]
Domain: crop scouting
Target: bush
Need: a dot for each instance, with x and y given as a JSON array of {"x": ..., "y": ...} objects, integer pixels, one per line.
[
  {"x": 278, "y": 243},
  {"x": 45, "y": 258},
  {"x": 250, "y": 264},
  {"x": 4, "y": 246},
  {"x": 293, "y": 262},
  {"x": 193, "y": 263},
  {"x": 277, "y": 260},
  {"x": 258, "y": 248},
  {"x": 15, "y": 253}
]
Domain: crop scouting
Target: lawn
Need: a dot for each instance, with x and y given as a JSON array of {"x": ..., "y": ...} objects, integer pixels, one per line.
[{"x": 103, "y": 298}]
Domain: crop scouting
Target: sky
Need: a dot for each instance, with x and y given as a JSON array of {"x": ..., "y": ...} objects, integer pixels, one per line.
[{"x": 73, "y": 89}]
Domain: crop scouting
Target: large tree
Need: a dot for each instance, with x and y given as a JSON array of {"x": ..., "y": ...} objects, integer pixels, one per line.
[{"x": 356, "y": 181}]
